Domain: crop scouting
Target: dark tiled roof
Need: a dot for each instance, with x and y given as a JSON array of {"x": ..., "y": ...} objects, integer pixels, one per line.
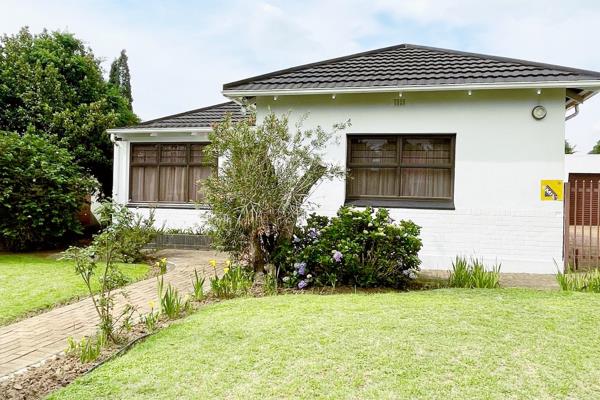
[
  {"x": 200, "y": 118},
  {"x": 410, "y": 65}
]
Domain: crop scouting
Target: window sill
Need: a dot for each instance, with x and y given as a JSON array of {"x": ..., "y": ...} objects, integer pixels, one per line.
[
  {"x": 177, "y": 206},
  {"x": 391, "y": 203}
]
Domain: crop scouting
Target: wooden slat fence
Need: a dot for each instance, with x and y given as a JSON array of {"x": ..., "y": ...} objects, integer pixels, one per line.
[{"x": 582, "y": 222}]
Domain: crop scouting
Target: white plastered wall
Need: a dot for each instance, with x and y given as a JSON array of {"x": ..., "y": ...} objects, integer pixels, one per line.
[
  {"x": 168, "y": 216},
  {"x": 502, "y": 153}
]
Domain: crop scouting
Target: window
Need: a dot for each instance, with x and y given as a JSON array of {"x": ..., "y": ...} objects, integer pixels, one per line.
[
  {"x": 167, "y": 173},
  {"x": 401, "y": 170}
]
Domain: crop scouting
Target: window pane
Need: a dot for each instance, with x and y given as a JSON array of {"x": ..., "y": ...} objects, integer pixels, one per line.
[
  {"x": 195, "y": 189},
  {"x": 144, "y": 154},
  {"x": 426, "y": 182},
  {"x": 172, "y": 184},
  {"x": 173, "y": 153},
  {"x": 426, "y": 151},
  {"x": 372, "y": 182},
  {"x": 373, "y": 151},
  {"x": 197, "y": 153},
  {"x": 143, "y": 184}
]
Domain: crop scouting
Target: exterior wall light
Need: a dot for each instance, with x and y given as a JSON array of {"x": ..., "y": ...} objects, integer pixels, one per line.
[{"x": 539, "y": 112}]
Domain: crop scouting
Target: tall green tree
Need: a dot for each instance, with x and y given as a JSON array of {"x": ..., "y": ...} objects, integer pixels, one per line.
[
  {"x": 52, "y": 85},
  {"x": 596, "y": 148},
  {"x": 120, "y": 76},
  {"x": 569, "y": 148}
]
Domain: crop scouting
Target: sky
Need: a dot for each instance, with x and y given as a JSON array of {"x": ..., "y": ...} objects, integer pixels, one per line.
[{"x": 181, "y": 52}]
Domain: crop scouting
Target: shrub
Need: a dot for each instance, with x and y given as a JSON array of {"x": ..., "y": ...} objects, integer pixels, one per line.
[
  {"x": 579, "y": 282},
  {"x": 266, "y": 174},
  {"x": 133, "y": 231},
  {"x": 236, "y": 281},
  {"x": 171, "y": 304},
  {"x": 356, "y": 247},
  {"x": 473, "y": 274},
  {"x": 88, "y": 348},
  {"x": 41, "y": 190},
  {"x": 97, "y": 262},
  {"x": 198, "y": 286}
]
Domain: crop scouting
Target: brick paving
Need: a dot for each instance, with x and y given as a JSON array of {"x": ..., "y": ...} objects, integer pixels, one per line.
[{"x": 33, "y": 340}]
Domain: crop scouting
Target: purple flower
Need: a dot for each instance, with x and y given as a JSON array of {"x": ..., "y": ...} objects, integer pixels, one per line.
[
  {"x": 312, "y": 233},
  {"x": 296, "y": 239},
  {"x": 302, "y": 284},
  {"x": 300, "y": 267},
  {"x": 337, "y": 256}
]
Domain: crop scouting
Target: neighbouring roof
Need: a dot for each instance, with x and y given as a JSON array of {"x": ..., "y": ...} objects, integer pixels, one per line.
[
  {"x": 199, "y": 118},
  {"x": 410, "y": 65}
]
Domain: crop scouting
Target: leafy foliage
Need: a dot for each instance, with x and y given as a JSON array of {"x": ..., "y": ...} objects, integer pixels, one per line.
[
  {"x": 267, "y": 173},
  {"x": 579, "y": 282},
  {"x": 87, "y": 349},
  {"x": 473, "y": 274},
  {"x": 97, "y": 262},
  {"x": 357, "y": 247},
  {"x": 132, "y": 231},
  {"x": 52, "y": 85},
  {"x": 41, "y": 190},
  {"x": 198, "y": 286},
  {"x": 236, "y": 281},
  {"x": 120, "y": 77},
  {"x": 171, "y": 303},
  {"x": 596, "y": 148},
  {"x": 569, "y": 148}
]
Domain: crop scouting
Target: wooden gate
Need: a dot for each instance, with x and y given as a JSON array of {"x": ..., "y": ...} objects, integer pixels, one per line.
[{"x": 582, "y": 222}]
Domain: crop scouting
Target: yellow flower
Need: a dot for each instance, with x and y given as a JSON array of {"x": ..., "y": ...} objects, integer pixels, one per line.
[
  {"x": 151, "y": 304},
  {"x": 228, "y": 263},
  {"x": 225, "y": 270},
  {"x": 213, "y": 263},
  {"x": 163, "y": 260}
]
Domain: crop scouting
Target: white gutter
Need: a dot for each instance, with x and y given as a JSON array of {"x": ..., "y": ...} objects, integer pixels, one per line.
[
  {"x": 119, "y": 131},
  {"x": 593, "y": 84}
]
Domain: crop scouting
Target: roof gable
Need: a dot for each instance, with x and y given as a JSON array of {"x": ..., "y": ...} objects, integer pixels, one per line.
[{"x": 410, "y": 65}]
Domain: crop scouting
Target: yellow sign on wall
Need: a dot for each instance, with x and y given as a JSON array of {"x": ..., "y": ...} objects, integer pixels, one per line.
[{"x": 551, "y": 189}]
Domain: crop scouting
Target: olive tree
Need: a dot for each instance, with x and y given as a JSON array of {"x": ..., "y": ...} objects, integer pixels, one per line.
[{"x": 267, "y": 172}]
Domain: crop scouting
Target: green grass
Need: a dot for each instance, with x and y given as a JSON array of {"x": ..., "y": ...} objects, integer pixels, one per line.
[
  {"x": 33, "y": 282},
  {"x": 442, "y": 344}
]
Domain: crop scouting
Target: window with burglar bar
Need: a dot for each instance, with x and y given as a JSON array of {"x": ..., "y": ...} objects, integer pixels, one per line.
[
  {"x": 168, "y": 172},
  {"x": 401, "y": 168}
]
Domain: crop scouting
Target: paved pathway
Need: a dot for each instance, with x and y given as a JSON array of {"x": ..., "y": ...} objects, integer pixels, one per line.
[{"x": 33, "y": 340}]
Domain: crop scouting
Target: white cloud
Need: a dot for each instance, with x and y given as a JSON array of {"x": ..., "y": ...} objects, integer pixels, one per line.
[{"x": 181, "y": 53}]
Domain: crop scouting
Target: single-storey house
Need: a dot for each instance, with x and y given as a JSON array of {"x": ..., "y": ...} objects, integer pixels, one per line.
[{"x": 469, "y": 146}]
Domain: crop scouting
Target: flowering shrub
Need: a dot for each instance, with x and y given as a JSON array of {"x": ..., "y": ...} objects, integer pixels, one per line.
[{"x": 356, "y": 247}]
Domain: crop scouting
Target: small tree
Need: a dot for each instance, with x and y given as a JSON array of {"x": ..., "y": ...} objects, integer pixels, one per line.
[
  {"x": 264, "y": 180},
  {"x": 41, "y": 190}
]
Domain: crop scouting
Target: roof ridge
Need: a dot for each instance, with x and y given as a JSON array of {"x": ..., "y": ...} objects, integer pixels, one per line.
[
  {"x": 313, "y": 64},
  {"x": 183, "y": 113},
  {"x": 506, "y": 59}
]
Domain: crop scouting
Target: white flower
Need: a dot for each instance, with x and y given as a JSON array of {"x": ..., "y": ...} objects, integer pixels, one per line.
[
  {"x": 286, "y": 279},
  {"x": 309, "y": 276}
]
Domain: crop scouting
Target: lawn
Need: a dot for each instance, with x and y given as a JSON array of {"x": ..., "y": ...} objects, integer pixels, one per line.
[
  {"x": 441, "y": 344},
  {"x": 31, "y": 282}
]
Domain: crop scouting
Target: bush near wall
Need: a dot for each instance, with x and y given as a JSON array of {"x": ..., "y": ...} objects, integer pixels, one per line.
[
  {"x": 356, "y": 247},
  {"x": 41, "y": 190}
]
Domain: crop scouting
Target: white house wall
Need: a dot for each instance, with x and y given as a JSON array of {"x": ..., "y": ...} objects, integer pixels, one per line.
[
  {"x": 502, "y": 153},
  {"x": 178, "y": 218}
]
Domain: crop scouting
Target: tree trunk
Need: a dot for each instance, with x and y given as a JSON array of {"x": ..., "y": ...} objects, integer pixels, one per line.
[{"x": 257, "y": 255}]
